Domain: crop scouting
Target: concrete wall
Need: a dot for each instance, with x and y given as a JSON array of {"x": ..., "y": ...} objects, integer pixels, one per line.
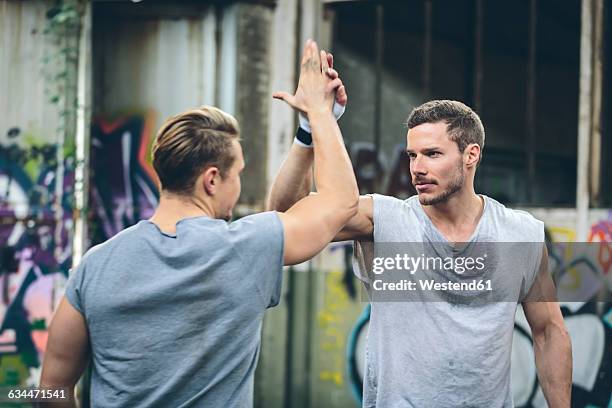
[
  {"x": 156, "y": 61},
  {"x": 24, "y": 103},
  {"x": 37, "y": 90}
]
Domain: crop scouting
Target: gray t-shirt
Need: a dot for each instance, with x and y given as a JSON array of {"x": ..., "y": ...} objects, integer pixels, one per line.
[
  {"x": 441, "y": 354},
  {"x": 175, "y": 320}
]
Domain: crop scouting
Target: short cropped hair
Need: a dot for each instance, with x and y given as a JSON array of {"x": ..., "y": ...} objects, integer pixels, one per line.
[
  {"x": 190, "y": 142},
  {"x": 463, "y": 124}
]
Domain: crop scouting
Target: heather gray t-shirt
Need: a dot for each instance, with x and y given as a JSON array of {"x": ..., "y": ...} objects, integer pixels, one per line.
[
  {"x": 175, "y": 320},
  {"x": 441, "y": 354}
]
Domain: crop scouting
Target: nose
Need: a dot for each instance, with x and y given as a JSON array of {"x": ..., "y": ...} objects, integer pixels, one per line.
[{"x": 417, "y": 166}]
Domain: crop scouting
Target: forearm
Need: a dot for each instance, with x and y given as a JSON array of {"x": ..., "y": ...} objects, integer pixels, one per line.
[
  {"x": 553, "y": 353},
  {"x": 333, "y": 171},
  {"x": 293, "y": 181}
]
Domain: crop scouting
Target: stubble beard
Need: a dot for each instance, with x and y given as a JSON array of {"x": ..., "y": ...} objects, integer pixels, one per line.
[{"x": 455, "y": 185}]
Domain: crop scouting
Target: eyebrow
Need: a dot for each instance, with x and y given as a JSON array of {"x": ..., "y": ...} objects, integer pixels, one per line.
[{"x": 427, "y": 150}]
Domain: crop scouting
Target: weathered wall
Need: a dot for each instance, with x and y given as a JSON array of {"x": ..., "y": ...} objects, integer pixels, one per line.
[
  {"x": 163, "y": 59},
  {"x": 254, "y": 29},
  {"x": 37, "y": 77}
]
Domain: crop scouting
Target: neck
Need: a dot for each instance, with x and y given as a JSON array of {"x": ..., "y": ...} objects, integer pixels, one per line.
[{"x": 174, "y": 207}]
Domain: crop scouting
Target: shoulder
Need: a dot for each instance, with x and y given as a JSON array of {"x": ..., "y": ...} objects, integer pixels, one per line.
[
  {"x": 260, "y": 226},
  {"x": 393, "y": 203},
  {"x": 518, "y": 224},
  {"x": 106, "y": 248},
  {"x": 255, "y": 221}
]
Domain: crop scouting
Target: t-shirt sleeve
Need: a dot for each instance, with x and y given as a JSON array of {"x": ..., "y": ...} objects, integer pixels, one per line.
[
  {"x": 262, "y": 252},
  {"x": 385, "y": 208},
  {"x": 535, "y": 257},
  {"x": 74, "y": 293}
]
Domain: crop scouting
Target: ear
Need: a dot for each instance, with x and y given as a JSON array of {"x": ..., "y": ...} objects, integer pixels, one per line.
[
  {"x": 210, "y": 180},
  {"x": 472, "y": 154}
]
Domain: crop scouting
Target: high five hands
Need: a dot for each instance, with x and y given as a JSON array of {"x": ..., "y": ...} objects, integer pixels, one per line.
[{"x": 319, "y": 85}]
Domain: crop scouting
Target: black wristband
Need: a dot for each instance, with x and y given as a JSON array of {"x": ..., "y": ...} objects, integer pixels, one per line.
[{"x": 303, "y": 136}]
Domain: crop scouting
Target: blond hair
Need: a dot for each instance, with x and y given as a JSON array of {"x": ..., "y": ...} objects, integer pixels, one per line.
[{"x": 190, "y": 142}]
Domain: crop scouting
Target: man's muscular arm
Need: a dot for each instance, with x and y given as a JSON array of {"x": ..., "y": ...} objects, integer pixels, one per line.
[
  {"x": 294, "y": 181},
  {"x": 551, "y": 342}
]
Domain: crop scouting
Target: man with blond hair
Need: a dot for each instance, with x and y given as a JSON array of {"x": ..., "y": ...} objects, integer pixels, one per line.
[{"x": 170, "y": 310}]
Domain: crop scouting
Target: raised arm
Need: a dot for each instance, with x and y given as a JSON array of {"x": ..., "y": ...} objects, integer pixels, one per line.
[
  {"x": 313, "y": 221},
  {"x": 294, "y": 179},
  {"x": 551, "y": 342}
]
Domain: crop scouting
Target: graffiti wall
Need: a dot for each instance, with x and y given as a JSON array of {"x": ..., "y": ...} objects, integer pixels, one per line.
[
  {"x": 35, "y": 249},
  {"x": 123, "y": 186},
  {"x": 36, "y": 226}
]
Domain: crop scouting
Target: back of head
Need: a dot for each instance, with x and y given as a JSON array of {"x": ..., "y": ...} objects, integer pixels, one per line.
[
  {"x": 463, "y": 124},
  {"x": 190, "y": 142}
]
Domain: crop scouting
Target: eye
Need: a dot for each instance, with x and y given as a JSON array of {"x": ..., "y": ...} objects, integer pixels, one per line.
[
  {"x": 411, "y": 156},
  {"x": 434, "y": 154}
]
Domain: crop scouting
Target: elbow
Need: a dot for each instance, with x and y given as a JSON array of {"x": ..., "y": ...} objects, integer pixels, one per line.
[
  {"x": 353, "y": 207},
  {"x": 273, "y": 204},
  {"x": 351, "y": 200},
  {"x": 349, "y": 207}
]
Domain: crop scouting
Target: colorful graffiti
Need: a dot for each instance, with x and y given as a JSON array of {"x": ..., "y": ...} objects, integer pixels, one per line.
[
  {"x": 35, "y": 250},
  {"x": 602, "y": 232},
  {"x": 588, "y": 324},
  {"x": 123, "y": 182}
]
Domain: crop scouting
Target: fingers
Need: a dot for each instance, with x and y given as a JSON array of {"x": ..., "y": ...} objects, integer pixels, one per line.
[
  {"x": 311, "y": 59},
  {"x": 341, "y": 96},
  {"x": 332, "y": 73},
  {"x": 306, "y": 52},
  {"x": 333, "y": 85},
  {"x": 330, "y": 60},
  {"x": 285, "y": 96},
  {"x": 315, "y": 55},
  {"x": 324, "y": 62}
]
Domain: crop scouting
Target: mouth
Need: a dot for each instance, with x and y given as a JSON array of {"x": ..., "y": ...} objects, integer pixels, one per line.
[{"x": 423, "y": 187}]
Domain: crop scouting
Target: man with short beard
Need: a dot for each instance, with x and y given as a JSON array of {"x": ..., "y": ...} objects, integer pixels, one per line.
[{"x": 433, "y": 353}]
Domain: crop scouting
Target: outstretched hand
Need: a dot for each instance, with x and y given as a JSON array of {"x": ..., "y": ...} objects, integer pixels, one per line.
[{"x": 318, "y": 85}]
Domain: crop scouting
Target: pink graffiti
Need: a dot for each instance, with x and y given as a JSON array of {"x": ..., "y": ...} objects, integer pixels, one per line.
[{"x": 602, "y": 232}]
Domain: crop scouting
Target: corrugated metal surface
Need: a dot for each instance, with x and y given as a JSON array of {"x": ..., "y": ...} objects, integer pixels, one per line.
[{"x": 152, "y": 63}]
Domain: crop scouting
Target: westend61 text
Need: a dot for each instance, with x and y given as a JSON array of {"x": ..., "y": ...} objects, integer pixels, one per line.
[{"x": 474, "y": 285}]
